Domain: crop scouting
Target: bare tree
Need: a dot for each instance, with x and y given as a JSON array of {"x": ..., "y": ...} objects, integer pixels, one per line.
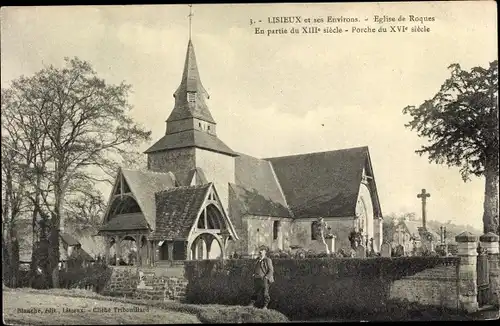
[{"x": 86, "y": 130}]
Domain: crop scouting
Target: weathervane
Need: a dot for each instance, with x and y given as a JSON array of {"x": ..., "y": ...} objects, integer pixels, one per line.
[{"x": 190, "y": 17}]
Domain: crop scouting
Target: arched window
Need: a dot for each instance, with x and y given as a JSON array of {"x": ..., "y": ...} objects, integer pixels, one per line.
[
  {"x": 276, "y": 229},
  {"x": 314, "y": 228}
]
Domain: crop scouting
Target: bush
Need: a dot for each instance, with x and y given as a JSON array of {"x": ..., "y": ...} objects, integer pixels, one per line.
[
  {"x": 309, "y": 286},
  {"x": 95, "y": 276}
]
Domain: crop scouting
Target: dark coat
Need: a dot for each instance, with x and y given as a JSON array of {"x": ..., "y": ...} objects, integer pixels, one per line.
[{"x": 268, "y": 269}]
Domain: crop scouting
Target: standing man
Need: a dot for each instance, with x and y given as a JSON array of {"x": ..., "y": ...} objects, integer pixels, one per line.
[{"x": 262, "y": 276}]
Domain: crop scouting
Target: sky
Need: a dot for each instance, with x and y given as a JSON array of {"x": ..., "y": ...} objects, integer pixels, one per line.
[{"x": 281, "y": 94}]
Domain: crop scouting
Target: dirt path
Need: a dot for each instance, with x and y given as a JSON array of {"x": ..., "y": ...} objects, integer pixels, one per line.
[{"x": 41, "y": 309}]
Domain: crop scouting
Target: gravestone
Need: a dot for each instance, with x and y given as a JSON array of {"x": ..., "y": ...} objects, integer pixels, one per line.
[
  {"x": 360, "y": 252},
  {"x": 399, "y": 251},
  {"x": 142, "y": 282},
  {"x": 385, "y": 250}
]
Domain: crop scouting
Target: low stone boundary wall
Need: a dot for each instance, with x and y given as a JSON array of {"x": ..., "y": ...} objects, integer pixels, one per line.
[
  {"x": 147, "y": 283},
  {"x": 436, "y": 287}
]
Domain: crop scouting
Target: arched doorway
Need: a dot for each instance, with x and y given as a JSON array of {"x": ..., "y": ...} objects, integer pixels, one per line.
[
  {"x": 364, "y": 211},
  {"x": 206, "y": 246}
]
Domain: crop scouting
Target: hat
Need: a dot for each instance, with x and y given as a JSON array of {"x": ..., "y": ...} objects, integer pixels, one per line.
[{"x": 263, "y": 248}]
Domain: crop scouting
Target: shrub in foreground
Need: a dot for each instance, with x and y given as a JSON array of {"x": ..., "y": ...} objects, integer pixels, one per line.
[{"x": 206, "y": 313}]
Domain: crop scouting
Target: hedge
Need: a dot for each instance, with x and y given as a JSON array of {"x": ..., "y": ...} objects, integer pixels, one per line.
[
  {"x": 307, "y": 287},
  {"x": 94, "y": 276}
]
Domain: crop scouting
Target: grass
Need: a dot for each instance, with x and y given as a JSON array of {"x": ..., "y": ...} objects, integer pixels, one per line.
[
  {"x": 53, "y": 310},
  {"x": 177, "y": 312}
]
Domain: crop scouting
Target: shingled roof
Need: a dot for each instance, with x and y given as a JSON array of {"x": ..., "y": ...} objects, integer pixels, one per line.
[
  {"x": 143, "y": 185},
  {"x": 256, "y": 188},
  {"x": 322, "y": 184},
  {"x": 123, "y": 222},
  {"x": 69, "y": 239},
  {"x": 177, "y": 210},
  {"x": 191, "y": 138},
  {"x": 190, "y": 82},
  {"x": 184, "y": 178}
]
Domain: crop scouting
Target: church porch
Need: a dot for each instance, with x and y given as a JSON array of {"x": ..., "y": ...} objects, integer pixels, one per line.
[
  {"x": 128, "y": 248},
  {"x": 191, "y": 224}
]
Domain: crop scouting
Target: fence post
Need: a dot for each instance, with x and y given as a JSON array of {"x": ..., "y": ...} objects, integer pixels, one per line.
[
  {"x": 467, "y": 274},
  {"x": 489, "y": 241}
]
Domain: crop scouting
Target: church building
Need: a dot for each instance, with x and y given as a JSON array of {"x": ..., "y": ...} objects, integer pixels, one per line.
[{"x": 200, "y": 199}]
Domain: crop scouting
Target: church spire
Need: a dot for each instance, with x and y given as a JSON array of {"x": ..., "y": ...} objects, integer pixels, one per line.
[
  {"x": 190, "y": 95},
  {"x": 190, "y": 16}
]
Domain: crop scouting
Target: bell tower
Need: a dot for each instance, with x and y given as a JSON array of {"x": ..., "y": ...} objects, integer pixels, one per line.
[
  {"x": 190, "y": 109},
  {"x": 190, "y": 142}
]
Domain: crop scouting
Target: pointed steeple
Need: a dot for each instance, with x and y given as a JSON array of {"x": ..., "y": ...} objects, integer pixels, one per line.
[{"x": 190, "y": 95}]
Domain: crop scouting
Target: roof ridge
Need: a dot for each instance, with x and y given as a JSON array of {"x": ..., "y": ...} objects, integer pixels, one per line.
[
  {"x": 320, "y": 152},
  {"x": 184, "y": 188},
  {"x": 147, "y": 171}
]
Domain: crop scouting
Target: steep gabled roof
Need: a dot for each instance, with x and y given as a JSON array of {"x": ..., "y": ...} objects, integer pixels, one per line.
[
  {"x": 69, "y": 239},
  {"x": 198, "y": 175},
  {"x": 80, "y": 253},
  {"x": 191, "y": 138},
  {"x": 126, "y": 222},
  {"x": 143, "y": 186},
  {"x": 191, "y": 83},
  {"x": 322, "y": 184},
  {"x": 177, "y": 210},
  {"x": 257, "y": 189},
  {"x": 185, "y": 178},
  {"x": 414, "y": 228}
]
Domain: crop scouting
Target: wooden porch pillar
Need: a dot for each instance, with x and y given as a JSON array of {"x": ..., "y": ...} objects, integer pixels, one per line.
[
  {"x": 107, "y": 249},
  {"x": 208, "y": 242},
  {"x": 138, "y": 255},
  {"x": 118, "y": 249},
  {"x": 148, "y": 252}
]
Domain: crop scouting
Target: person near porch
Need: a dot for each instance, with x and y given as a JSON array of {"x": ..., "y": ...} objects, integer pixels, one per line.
[{"x": 263, "y": 276}]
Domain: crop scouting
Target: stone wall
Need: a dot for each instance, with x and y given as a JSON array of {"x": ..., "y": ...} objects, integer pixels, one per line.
[
  {"x": 258, "y": 230},
  {"x": 436, "y": 287},
  {"x": 176, "y": 161},
  {"x": 341, "y": 227},
  {"x": 157, "y": 283}
]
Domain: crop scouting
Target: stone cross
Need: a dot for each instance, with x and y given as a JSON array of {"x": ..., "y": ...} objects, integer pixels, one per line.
[
  {"x": 423, "y": 195},
  {"x": 399, "y": 229}
]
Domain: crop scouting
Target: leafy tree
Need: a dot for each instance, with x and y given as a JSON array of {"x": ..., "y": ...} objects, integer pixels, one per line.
[
  {"x": 461, "y": 124},
  {"x": 85, "y": 128}
]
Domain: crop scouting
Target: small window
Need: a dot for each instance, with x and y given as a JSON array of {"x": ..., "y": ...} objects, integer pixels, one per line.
[
  {"x": 276, "y": 228},
  {"x": 208, "y": 127},
  {"x": 199, "y": 124},
  {"x": 314, "y": 233},
  {"x": 191, "y": 97}
]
